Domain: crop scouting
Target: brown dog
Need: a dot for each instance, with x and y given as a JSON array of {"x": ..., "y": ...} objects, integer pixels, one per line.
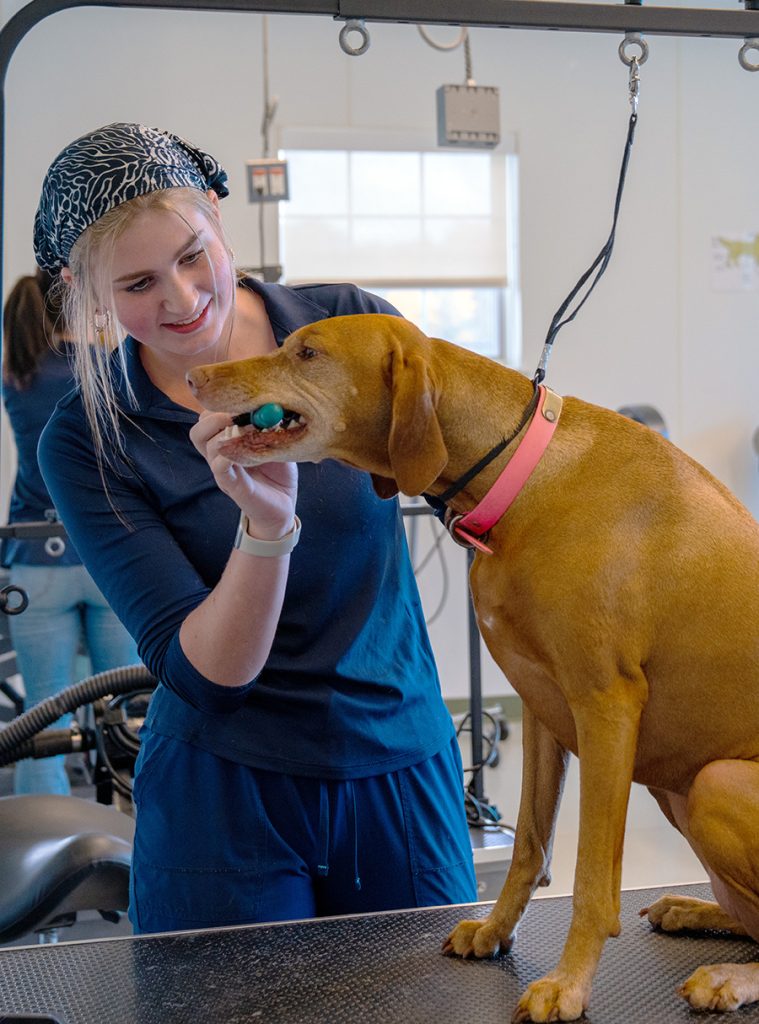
[{"x": 621, "y": 600}]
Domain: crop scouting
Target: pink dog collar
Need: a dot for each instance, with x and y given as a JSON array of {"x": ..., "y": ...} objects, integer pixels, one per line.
[{"x": 514, "y": 476}]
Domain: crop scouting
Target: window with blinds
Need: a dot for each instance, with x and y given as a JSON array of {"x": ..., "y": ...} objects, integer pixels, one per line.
[{"x": 432, "y": 231}]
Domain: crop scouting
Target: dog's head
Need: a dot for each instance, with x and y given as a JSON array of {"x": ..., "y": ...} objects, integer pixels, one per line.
[{"x": 360, "y": 389}]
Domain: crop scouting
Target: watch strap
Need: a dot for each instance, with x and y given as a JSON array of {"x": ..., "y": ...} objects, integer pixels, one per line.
[{"x": 266, "y": 548}]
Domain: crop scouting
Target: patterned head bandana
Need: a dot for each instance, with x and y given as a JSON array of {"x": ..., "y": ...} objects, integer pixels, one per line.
[{"x": 110, "y": 166}]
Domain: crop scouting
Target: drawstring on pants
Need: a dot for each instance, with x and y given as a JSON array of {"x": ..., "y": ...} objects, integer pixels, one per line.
[
  {"x": 323, "y": 865},
  {"x": 356, "y": 876}
]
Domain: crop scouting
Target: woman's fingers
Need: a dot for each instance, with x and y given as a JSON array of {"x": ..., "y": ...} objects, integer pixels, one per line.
[
  {"x": 208, "y": 426},
  {"x": 266, "y": 493}
]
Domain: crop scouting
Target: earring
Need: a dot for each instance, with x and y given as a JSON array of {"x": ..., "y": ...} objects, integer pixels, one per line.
[{"x": 102, "y": 322}]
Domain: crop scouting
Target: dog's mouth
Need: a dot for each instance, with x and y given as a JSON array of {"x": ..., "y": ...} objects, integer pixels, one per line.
[{"x": 261, "y": 430}]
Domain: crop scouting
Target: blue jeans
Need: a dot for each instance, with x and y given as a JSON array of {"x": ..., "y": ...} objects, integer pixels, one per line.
[
  {"x": 65, "y": 608},
  {"x": 219, "y": 843}
]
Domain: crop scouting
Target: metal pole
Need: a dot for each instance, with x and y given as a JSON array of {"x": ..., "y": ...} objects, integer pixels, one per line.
[
  {"x": 475, "y": 689},
  {"x": 475, "y": 665},
  {"x": 552, "y": 15}
]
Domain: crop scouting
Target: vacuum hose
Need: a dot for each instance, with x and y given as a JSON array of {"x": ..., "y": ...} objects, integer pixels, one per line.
[
  {"x": 49, "y": 743},
  {"x": 110, "y": 683}
]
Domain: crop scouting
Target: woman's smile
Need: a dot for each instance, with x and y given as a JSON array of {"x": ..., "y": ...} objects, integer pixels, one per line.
[{"x": 194, "y": 323}]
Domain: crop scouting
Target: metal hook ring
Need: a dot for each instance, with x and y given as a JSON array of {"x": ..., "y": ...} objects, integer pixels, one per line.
[
  {"x": 354, "y": 25},
  {"x": 635, "y": 39},
  {"x": 451, "y": 523},
  {"x": 5, "y": 600},
  {"x": 745, "y": 63},
  {"x": 55, "y": 546},
  {"x": 443, "y": 46}
]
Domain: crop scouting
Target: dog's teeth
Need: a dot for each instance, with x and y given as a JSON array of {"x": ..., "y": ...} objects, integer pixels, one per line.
[
  {"x": 227, "y": 433},
  {"x": 293, "y": 424},
  {"x": 234, "y": 431}
]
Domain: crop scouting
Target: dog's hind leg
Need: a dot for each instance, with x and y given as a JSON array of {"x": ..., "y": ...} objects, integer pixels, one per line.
[
  {"x": 544, "y": 765},
  {"x": 671, "y": 913},
  {"x": 674, "y": 913},
  {"x": 723, "y": 826},
  {"x": 606, "y": 720}
]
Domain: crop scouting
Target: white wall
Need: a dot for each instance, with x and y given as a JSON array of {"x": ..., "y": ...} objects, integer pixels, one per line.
[{"x": 656, "y": 330}]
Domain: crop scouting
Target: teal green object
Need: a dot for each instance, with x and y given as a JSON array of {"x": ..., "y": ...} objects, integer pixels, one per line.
[{"x": 268, "y": 415}]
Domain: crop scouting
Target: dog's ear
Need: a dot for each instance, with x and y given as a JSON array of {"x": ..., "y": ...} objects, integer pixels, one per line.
[
  {"x": 384, "y": 486},
  {"x": 415, "y": 446}
]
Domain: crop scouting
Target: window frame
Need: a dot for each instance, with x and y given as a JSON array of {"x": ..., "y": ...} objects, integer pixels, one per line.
[{"x": 507, "y": 285}]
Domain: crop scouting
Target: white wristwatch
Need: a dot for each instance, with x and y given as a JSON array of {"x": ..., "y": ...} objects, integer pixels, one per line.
[{"x": 266, "y": 548}]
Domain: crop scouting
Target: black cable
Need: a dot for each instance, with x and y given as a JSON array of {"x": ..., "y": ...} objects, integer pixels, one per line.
[
  {"x": 439, "y": 537},
  {"x": 491, "y": 740},
  {"x": 440, "y": 534},
  {"x": 478, "y": 813},
  {"x": 119, "y": 783}
]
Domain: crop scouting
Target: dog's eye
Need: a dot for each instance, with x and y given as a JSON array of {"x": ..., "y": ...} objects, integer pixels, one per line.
[{"x": 306, "y": 353}]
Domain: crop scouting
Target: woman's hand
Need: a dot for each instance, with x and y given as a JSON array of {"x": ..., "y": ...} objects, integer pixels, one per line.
[{"x": 265, "y": 493}]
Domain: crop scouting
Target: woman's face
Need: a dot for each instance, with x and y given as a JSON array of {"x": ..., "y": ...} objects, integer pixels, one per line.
[{"x": 173, "y": 284}]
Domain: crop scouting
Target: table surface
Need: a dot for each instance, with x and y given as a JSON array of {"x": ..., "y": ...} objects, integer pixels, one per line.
[{"x": 373, "y": 969}]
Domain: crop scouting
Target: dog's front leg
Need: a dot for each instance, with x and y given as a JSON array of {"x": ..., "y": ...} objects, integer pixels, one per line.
[
  {"x": 544, "y": 765},
  {"x": 607, "y": 731}
]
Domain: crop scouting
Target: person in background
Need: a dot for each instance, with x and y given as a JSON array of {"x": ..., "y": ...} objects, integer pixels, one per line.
[
  {"x": 66, "y": 612},
  {"x": 297, "y": 758}
]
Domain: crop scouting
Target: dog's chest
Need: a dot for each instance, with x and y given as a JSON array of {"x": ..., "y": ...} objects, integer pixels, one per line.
[
  {"x": 547, "y": 703},
  {"x": 524, "y": 671}
]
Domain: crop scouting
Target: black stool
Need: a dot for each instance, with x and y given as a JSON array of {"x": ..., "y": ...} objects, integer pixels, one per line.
[{"x": 60, "y": 855}]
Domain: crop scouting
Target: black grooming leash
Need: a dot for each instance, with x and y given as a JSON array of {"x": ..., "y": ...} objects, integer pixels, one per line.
[{"x": 599, "y": 265}]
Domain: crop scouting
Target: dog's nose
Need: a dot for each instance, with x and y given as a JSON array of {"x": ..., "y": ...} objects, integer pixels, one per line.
[{"x": 196, "y": 379}]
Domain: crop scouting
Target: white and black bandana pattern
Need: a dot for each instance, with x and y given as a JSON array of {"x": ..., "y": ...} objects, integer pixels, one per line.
[{"x": 105, "y": 168}]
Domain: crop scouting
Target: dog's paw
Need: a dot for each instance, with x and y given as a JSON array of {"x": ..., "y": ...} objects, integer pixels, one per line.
[
  {"x": 721, "y": 986},
  {"x": 551, "y": 998},
  {"x": 475, "y": 938},
  {"x": 672, "y": 913},
  {"x": 686, "y": 913}
]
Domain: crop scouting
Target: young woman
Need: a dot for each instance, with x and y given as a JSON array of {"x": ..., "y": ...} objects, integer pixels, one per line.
[
  {"x": 66, "y": 612},
  {"x": 297, "y": 758}
]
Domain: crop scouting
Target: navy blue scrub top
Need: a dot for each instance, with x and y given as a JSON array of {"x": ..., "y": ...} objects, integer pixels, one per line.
[{"x": 350, "y": 687}]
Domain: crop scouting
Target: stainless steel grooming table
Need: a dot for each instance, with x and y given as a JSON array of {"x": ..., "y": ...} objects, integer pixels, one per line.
[{"x": 373, "y": 969}]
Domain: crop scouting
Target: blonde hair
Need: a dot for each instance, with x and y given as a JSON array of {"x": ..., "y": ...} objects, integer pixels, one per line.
[{"x": 89, "y": 309}]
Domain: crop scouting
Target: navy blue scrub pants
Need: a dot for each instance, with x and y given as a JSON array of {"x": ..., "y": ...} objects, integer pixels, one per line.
[{"x": 219, "y": 843}]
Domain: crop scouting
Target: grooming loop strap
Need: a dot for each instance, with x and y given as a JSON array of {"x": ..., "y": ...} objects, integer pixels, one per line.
[{"x": 596, "y": 270}]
